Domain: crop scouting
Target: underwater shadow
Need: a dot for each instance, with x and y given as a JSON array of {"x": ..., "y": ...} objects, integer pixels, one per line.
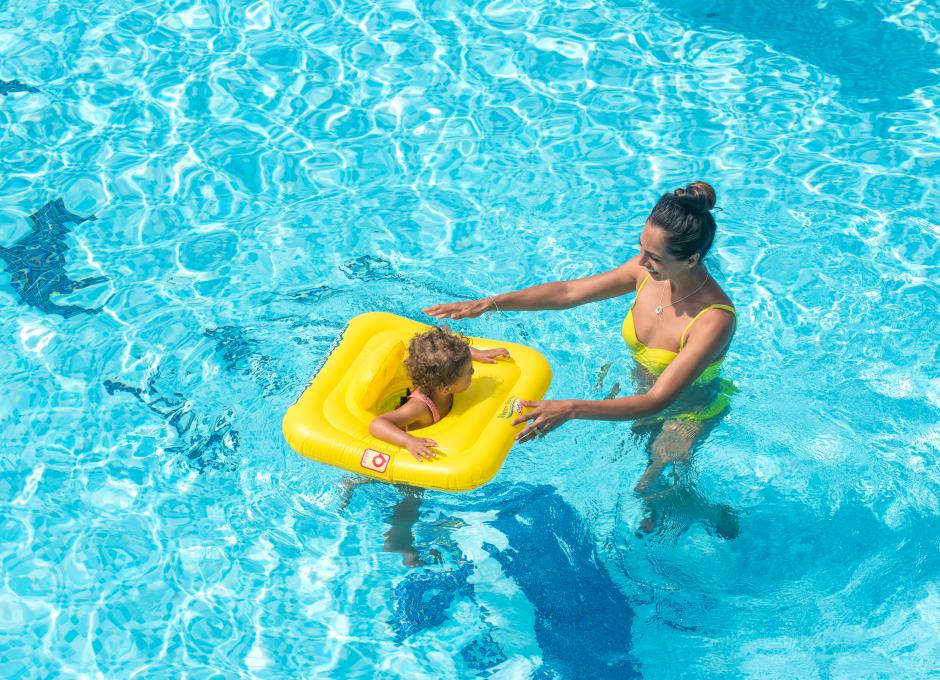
[
  {"x": 37, "y": 261},
  {"x": 582, "y": 619},
  {"x": 8, "y": 87}
]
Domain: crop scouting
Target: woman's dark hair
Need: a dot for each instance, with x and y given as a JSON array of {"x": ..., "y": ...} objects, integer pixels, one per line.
[
  {"x": 685, "y": 215},
  {"x": 436, "y": 357}
]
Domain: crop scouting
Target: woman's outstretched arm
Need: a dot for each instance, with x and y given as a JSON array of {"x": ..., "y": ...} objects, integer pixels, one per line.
[{"x": 556, "y": 295}]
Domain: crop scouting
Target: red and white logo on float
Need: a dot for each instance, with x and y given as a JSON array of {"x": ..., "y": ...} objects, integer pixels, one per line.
[{"x": 375, "y": 460}]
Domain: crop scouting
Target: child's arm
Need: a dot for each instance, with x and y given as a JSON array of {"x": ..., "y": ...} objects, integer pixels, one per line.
[
  {"x": 488, "y": 356},
  {"x": 391, "y": 426}
]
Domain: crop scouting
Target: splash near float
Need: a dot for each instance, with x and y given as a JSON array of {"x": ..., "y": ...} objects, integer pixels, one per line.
[{"x": 365, "y": 376}]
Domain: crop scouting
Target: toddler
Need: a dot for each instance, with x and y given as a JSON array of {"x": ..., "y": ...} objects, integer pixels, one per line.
[{"x": 440, "y": 364}]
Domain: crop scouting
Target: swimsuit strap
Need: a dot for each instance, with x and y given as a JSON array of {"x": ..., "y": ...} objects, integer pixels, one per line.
[
  {"x": 727, "y": 308},
  {"x": 639, "y": 288},
  {"x": 421, "y": 396}
]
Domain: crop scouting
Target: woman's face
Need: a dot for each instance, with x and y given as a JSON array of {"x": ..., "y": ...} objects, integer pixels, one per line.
[{"x": 655, "y": 256}]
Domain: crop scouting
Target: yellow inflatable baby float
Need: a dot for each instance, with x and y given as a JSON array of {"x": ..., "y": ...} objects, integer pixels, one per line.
[{"x": 365, "y": 376}]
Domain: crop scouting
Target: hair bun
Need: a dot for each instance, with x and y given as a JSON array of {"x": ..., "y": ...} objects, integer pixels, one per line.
[{"x": 698, "y": 197}]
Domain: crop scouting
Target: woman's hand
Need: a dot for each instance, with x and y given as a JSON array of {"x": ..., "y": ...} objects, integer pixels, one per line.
[
  {"x": 460, "y": 310},
  {"x": 545, "y": 415},
  {"x": 420, "y": 448},
  {"x": 488, "y": 356}
]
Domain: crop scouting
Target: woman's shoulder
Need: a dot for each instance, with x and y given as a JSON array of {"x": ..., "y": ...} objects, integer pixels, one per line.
[
  {"x": 717, "y": 317},
  {"x": 715, "y": 323},
  {"x": 716, "y": 295}
]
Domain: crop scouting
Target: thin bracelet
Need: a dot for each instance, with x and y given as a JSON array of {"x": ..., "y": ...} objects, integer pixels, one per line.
[{"x": 492, "y": 299}]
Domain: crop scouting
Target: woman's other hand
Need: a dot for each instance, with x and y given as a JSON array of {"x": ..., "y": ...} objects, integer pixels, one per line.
[
  {"x": 545, "y": 416},
  {"x": 459, "y": 310}
]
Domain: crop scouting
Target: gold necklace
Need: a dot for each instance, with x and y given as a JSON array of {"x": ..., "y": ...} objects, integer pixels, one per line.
[{"x": 660, "y": 308}]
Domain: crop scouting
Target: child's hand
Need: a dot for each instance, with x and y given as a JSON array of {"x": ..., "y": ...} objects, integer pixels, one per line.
[
  {"x": 420, "y": 448},
  {"x": 488, "y": 356}
]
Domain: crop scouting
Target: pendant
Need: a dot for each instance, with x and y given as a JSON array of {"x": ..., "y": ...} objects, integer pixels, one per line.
[{"x": 659, "y": 309}]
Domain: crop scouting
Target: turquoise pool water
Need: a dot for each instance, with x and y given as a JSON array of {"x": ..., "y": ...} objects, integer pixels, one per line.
[{"x": 261, "y": 172}]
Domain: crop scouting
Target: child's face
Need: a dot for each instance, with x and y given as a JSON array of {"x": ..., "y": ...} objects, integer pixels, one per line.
[{"x": 463, "y": 378}]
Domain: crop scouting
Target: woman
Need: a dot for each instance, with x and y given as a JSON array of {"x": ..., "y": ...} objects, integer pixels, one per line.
[{"x": 678, "y": 329}]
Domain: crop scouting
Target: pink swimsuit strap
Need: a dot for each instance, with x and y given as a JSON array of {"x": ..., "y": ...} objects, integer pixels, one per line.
[{"x": 435, "y": 414}]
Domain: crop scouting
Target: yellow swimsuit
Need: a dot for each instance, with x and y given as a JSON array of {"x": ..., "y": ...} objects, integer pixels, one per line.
[{"x": 655, "y": 360}]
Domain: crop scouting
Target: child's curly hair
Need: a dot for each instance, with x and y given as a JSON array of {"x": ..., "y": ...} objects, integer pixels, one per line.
[{"x": 435, "y": 358}]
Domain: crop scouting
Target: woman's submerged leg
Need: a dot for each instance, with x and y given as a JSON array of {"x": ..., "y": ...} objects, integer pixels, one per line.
[{"x": 673, "y": 446}]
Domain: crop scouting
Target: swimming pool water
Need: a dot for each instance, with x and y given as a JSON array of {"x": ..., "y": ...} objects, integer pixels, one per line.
[{"x": 261, "y": 172}]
